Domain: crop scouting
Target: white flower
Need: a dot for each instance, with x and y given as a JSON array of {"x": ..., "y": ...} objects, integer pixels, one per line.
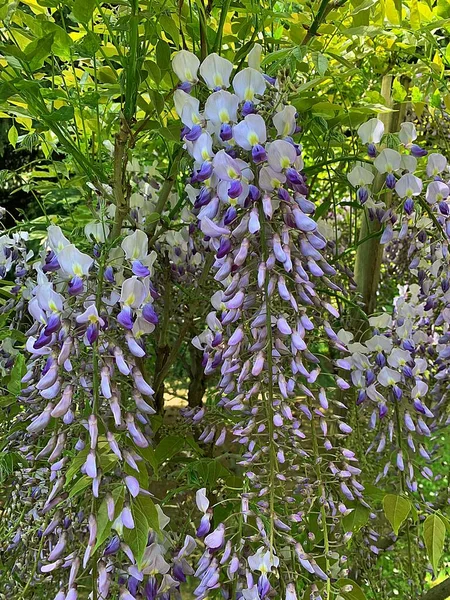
[
  {"x": 436, "y": 164},
  {"x": 379, "y": 343},
  {"x": 270, "y": 180},
  {"x": 398, "y": 358},
  {"x": 254, "y": 57},
  {"x": 163, "y": 519},
  {"x": 290, "y": 592},
  {"x": 281, "y": 155},
  {"x": 185, "y": 65},
  {"x": 388, "y": 376},
  {"x": 263, "y": 561},
  {"x": 250, "y": 131},
  {"x": 419, "y": 390},
  {"x": 345, "y": 336},
  {"x": 74, "y": 262},
  {"x": 408, "y": 185},
  {"x": 249, "y": 83},
  {"x": 96, "y": 230},
  {"x": 284, "y": 121},
  {"x": 216, "y": 71},
  {"x": 387, "y": 161},
  {"x": 90, "y": 315},
  {"x": 371, "y": 132},
  {"x": 436, "y": 192},
  {"x": 181, "y": 100},
  {"x": 56, "y": 239},
  {"x": 381, "y": 321},
  {"x": 407, "y": 133},
  {"x": 409, "y": 163},
  {"x": 133, "y": 292},
  {"x": 135, "y": 245},
  {"x": 202, "y": 148},
  {"x": 221, "y": 107},
  {"x": 201, "y": 500},
  {"x": 359, "y": 176}
]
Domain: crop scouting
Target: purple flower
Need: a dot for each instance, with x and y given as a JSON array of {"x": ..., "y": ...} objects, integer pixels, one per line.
[
  {"x": 149, "y": 314},
  {"x": 371, "y": 150},
  {"x": 226, "y": 132},
  {"x": 75, "y": 286},
  {"x": 417, "y": 151},
  {"x": 139, "y": 269},
  {"x": 248, "y": 108},
  {"x": 92, "y": 333},
  {"x": 258, "y": 153},
  {"x": 194, "y": 133},
  {"x": 125, "y": 318},
  {"x": 53, "y": 324}
]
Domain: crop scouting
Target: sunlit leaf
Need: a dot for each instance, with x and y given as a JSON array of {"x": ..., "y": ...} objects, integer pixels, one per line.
[
  {"x": 396, "y": 509},
  {"x": 434, "y": 537}
]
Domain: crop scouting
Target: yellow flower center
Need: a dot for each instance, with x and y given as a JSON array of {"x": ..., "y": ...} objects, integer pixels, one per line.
[
  {"x": 253, "y": 138},
  {"x": 224, "y": 116},
  {"x": 249, "y": 94}
]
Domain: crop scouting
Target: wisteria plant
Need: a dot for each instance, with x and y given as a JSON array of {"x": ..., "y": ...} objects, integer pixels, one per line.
[{"x": 206, "y": 256}]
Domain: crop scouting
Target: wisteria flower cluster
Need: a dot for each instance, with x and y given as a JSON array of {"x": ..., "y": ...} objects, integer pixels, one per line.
[
  {"x": 86, "y": 393},
  {"x": 251, "y": 203}
]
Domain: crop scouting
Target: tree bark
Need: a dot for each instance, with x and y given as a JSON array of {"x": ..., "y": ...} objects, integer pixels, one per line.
[
  {"x": 197, "y": 384},
  {"x": 438, "y": 592},
  {"x": 369, "y": 254}
]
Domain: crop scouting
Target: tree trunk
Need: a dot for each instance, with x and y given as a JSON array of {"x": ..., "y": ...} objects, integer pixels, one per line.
[
  {"x": 162, "y": 353},
  {"x": 438, "y": 592},
  {"x": 197, "y": 384},
  {"x": 369, "y": 254}
]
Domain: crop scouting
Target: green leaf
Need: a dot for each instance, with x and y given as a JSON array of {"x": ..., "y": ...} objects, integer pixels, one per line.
[
  {"x": 148, "y": 508},
  {"x": 137, "y": 538},
  {"x": 434, "y": 538},
  {"x": 17, "y": 372},
  {"x": 13, "y": 135},
  {"x": 6, "y": 91},
  {"x": 88, "y": 45},
  {"x": 76, "y": 464},
  {"x": 83, "y": 10},
  {"x": 356, "y": 519},
  {"x": 398, "y": 91},
  {"x": 445, "y": 521},
  {"x": 365, "y": 5},
  {"x": 153, "y": 70},
  {"x": 65, "y": 113},
  {"x": 168, "y": 447},
  {"x": 374, "y": 493},
  {"x": 148, "y": 454},
  {"x": 163, "y": 55},
  {"x": 38, "y": 51},
  {"x": 396, "y": 509},
  {"x": 170, "y": 29},
  {"x": 208, "y": 471},
  {"x": 62, "y": 42},
  {"x": 355, "y": 593},
  {"x": 320, "y": 62},
  {"x": 103, "y": 523},
  {"x": 80, "y": 485}
]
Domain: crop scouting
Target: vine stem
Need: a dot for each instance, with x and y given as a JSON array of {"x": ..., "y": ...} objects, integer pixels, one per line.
[
  {"x": 323, "y": 514},
  {"x": 402, "y": 486},
  {"x": 34, "y": 570},
  {"x": 96, "y": 400},
  {"x": 269, "y": 396}
]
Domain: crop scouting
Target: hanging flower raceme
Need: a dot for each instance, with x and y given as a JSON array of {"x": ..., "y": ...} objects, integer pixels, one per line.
[
  {"x": 251, "y": 205},
  {"x": 400, "y": 369},
  {"x": 87, "y": 397}
]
